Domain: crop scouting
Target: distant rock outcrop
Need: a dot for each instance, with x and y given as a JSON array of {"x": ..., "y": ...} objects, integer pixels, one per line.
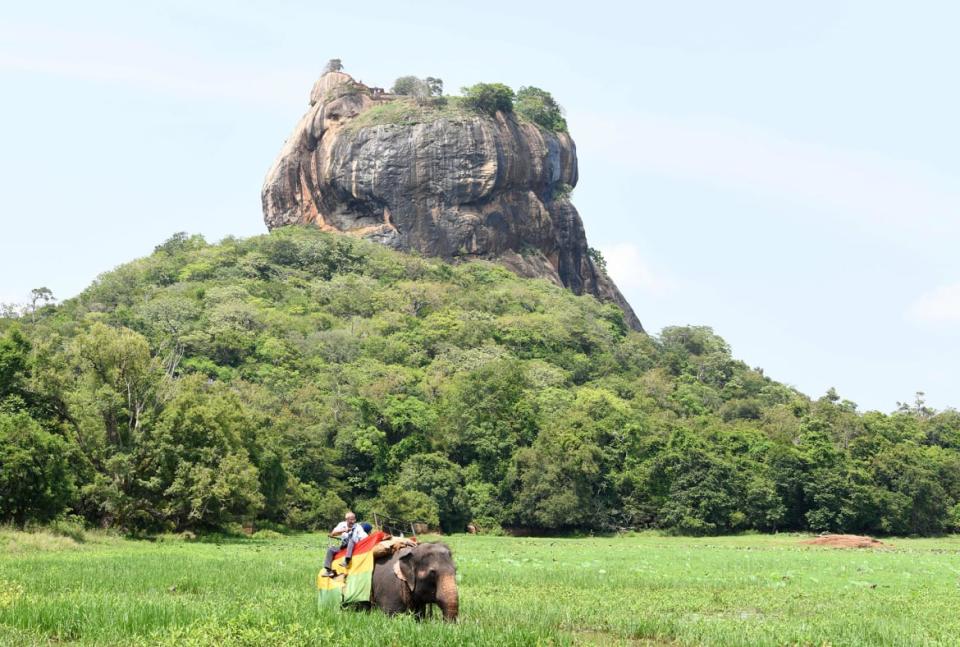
[{"x": 456, "y": 185}]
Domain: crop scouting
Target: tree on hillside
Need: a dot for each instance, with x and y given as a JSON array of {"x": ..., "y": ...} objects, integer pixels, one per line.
[
  {"x": 485, "y": 416},
  {"x": 409, "y": 86},
  {"x": 442, "y": 480},
  {"x": 560, "y": 477},
  {"x": 44, "y": 295},
  {"x": 11, "y": 310},
  {"x": 119, "y": 381},
  {"x": 176, "y": 243},
  {"x": 402, "y": 503},
  {"x": 14, "y": 356},
  {"x": 333, "y": 65},
  {"x": 434, "y": 85},
  {"x": 918, "y": 408},
  {"x": 597, "y": 257},
  {"x": 36, "y": 483}
]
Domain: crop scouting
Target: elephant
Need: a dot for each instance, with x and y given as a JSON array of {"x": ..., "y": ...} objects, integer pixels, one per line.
[{"x": 412, "y": 578}]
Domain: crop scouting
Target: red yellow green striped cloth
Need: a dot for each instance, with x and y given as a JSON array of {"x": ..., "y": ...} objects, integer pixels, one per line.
[{"x": 352, "y": 584}]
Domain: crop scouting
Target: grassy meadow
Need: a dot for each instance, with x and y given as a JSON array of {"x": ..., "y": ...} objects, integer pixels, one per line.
[{"x": 638, "y": 589}]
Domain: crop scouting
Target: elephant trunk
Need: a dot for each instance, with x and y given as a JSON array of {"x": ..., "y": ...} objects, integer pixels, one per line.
[{"x": 447, "y": 597}]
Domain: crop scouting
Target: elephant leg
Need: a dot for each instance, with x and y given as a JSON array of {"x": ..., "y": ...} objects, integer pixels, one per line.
[
  {"x": 390, "y": 604},
  {"x": 419, "y": 611}
]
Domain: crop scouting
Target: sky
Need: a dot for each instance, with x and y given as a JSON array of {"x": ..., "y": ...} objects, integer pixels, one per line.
[{"x": 784, "y": 173}]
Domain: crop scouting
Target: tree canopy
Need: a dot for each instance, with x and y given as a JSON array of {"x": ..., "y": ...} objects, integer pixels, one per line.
[
  {"x": 540, "y": 107},
  {"x": 419, "y": 88},
  {"x": 489, "y": 98},
  {"x": 283, "y": 377}
]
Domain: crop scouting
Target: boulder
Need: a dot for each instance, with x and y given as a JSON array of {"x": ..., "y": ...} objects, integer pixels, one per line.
[{"x": 446, "y": 183}]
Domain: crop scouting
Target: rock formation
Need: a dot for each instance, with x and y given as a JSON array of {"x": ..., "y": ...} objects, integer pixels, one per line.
[{"x": 447, "y": 183}]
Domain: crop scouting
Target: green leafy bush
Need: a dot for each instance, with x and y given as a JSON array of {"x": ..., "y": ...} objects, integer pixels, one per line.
[
  {"x": 36, "y": 482},
  {"x": 71, "y": 526},
  {"x": 489, "y": 98},
  {"x": 597, "y": 257},
  {"x": 541, "y": 108}
]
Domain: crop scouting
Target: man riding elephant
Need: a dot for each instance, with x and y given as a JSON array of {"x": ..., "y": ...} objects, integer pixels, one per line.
[
  {"x": 400, "y": 575},
  {"x": 349, "y": 532}
]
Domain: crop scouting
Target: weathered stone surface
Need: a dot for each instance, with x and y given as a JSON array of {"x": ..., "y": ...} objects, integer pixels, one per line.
[{"x": 457, "y": 187}]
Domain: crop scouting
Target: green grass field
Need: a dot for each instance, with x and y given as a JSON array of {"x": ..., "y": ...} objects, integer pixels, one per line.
[{"x": 641, "y": 589}]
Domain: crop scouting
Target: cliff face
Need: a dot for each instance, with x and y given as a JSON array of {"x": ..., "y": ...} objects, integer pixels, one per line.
[{"x": 453, "y": 185}]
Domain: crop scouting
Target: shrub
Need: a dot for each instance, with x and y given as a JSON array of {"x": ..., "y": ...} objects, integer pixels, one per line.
[
  {"x": 71, "y": 526},
  {"x": 172, "y": 538},
  {"x": 35, "y": 480},
  {"x": 489, "y": 98},
  {"x": 562, "y": 190},
  {"x": 597, "y": 257},
  {"x": 953, "y": 520},
  {"x": 541, "y": 108}
]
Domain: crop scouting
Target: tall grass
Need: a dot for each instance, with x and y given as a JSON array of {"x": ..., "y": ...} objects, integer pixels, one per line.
[{"x": 752, "y": 590}]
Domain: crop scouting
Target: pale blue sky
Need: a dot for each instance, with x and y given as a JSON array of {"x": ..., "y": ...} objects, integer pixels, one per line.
[{"x": 785, "y": 174}]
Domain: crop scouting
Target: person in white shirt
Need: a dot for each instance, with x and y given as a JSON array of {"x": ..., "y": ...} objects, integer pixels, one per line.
[{"x": 349, "y": 532}]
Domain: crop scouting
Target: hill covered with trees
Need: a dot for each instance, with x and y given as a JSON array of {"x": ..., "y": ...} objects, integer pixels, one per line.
[{"x": 287, "y": 376}]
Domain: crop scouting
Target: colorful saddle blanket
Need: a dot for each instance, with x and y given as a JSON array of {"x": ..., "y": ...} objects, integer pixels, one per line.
[{"x": 353, "y": 583}]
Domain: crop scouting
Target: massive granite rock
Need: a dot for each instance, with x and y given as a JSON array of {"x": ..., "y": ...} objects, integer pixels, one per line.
[{"x": 448, "y": 183}]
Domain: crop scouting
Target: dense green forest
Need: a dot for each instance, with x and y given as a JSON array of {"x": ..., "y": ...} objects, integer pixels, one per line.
[{"x": 285, "y": 377}]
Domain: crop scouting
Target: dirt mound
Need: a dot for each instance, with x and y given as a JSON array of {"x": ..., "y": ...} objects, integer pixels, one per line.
[{"x": 844, "y": 541}]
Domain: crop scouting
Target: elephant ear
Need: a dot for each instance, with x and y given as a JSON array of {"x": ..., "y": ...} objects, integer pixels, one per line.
[{"x": 403, "y": 568}]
